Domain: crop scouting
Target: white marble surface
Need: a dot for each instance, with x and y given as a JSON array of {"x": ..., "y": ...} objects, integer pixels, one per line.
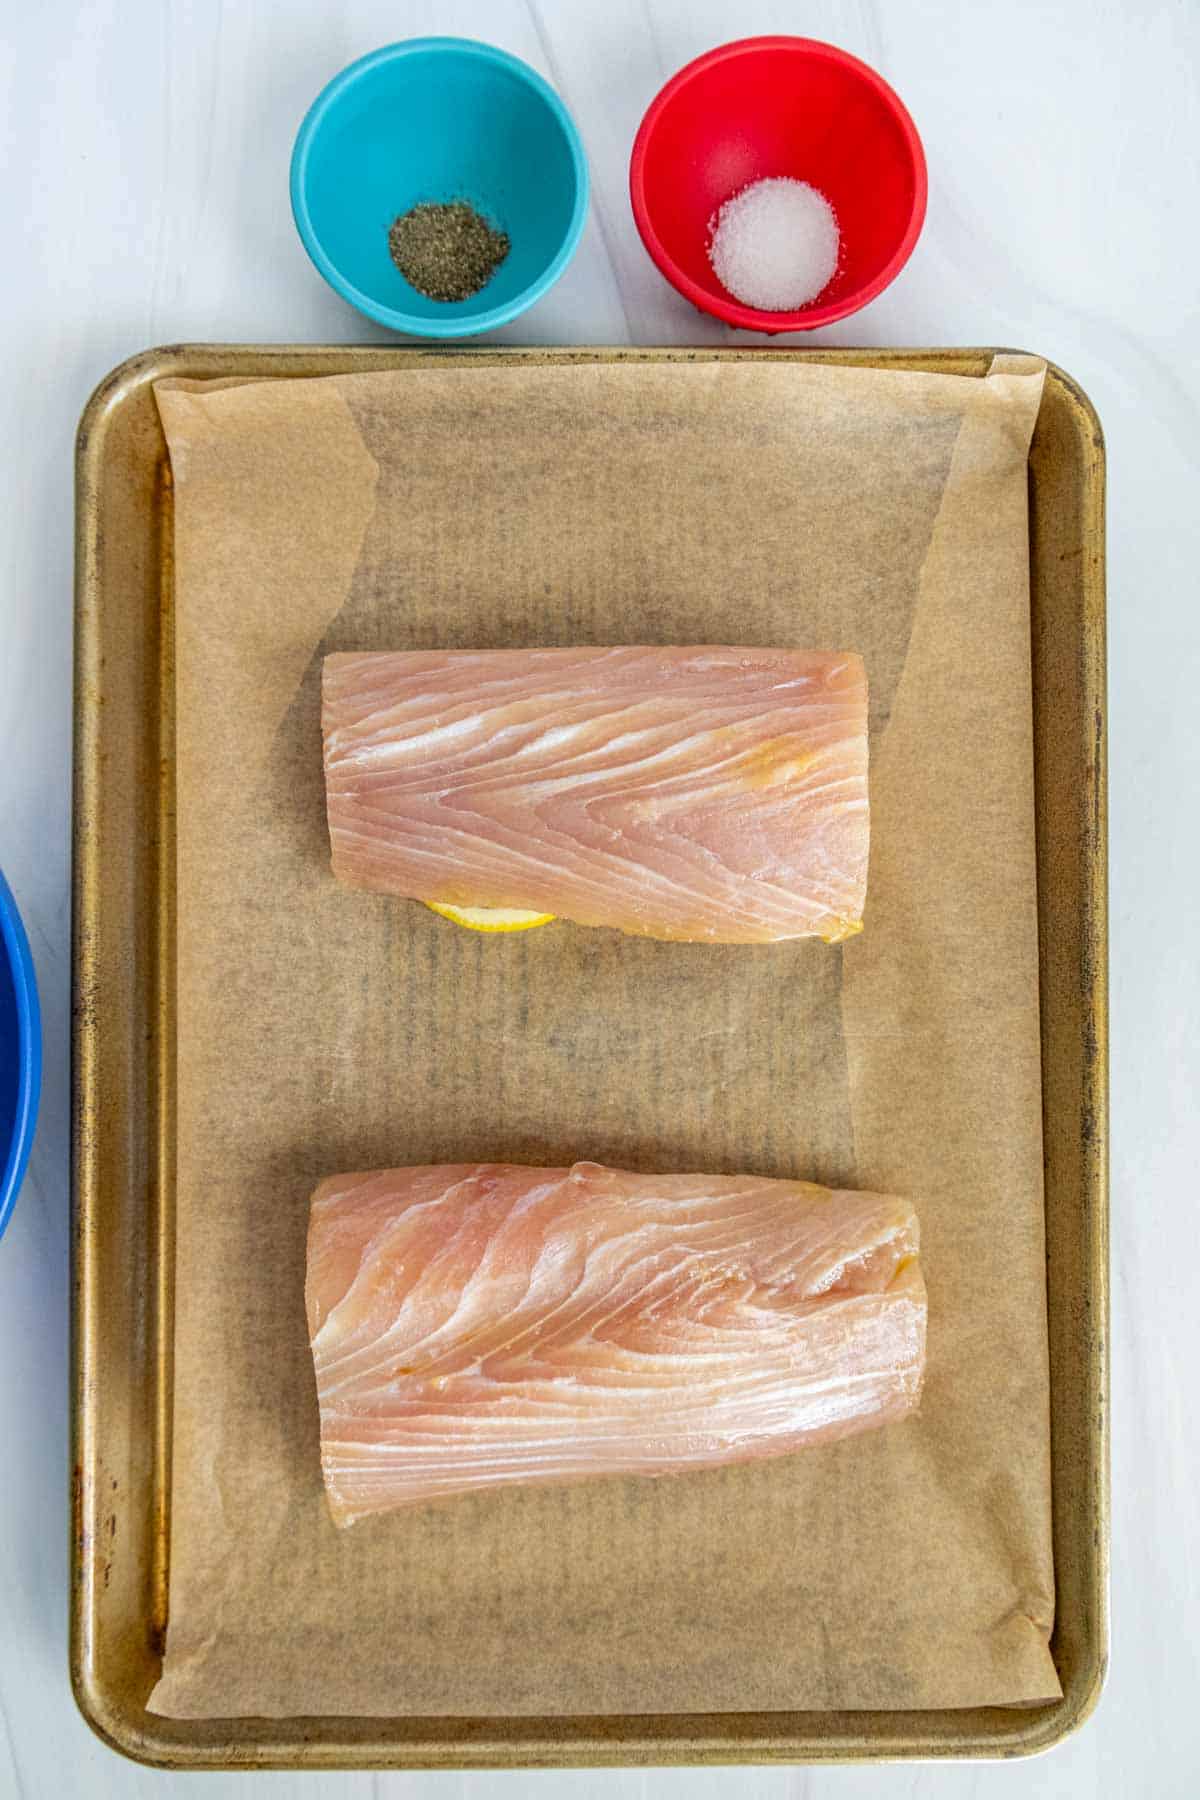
[{"x": 143, "y": 199}]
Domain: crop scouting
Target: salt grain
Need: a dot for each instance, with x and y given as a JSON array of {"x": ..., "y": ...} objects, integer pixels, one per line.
[{"x": 775, "y": 245}]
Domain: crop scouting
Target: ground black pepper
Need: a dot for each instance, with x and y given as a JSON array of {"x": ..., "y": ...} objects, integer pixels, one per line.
[{"x": 446, "y": 251}]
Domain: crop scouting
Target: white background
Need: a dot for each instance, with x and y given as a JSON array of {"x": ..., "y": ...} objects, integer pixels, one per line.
[{"x": 143, "y": 199}]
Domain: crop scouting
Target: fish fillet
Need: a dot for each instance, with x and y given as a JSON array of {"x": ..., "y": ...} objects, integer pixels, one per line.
[
  {"x": 478, "y": 1325},
  {"x": 708, "y": 793}
]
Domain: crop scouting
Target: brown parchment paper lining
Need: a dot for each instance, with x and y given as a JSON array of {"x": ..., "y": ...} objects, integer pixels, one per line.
[{"x": 321, "y": 1029}]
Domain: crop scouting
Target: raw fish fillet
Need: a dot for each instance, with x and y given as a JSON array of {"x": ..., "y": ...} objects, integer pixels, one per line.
[
  {"x": 480, "y": 1324},
  {"x": 705, "y": 793}
]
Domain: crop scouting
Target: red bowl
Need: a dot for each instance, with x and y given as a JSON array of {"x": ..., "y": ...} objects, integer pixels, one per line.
[{"x": 779, "y": 106}]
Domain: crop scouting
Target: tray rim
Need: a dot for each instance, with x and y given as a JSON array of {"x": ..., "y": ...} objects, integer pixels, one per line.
[{"x": 620, "y": 1741}]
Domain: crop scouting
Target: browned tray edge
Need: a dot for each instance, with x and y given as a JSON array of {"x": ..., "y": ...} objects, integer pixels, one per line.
[{"x": 550, "y": 1743}]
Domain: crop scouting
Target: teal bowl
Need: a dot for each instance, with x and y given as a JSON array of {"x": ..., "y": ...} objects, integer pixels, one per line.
[{"x": 438, "y": 119}]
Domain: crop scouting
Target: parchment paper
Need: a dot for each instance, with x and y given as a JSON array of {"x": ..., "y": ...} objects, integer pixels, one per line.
[{"x": 321, "y": 1029}]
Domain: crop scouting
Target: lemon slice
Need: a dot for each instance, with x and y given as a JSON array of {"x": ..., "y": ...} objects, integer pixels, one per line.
[{"x": 491, "y": 918}]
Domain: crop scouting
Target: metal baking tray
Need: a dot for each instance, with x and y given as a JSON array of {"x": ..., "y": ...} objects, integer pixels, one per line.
[{"x": 123, "y": 1115}]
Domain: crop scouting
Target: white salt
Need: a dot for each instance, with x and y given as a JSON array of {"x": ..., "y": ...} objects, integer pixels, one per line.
[{"x": 775, "y": 245}]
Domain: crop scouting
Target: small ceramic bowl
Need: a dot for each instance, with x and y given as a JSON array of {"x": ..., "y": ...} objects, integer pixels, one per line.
[
  {"x": 20, "y": 1052},
  {"x": 773, "y": 106},
  {"x": 438, "y": 119}
]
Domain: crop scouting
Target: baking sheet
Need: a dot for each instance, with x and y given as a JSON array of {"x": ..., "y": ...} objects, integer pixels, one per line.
[
  {"x": 123, "y": 1173},
  {"x": 319, "y": 1029}
]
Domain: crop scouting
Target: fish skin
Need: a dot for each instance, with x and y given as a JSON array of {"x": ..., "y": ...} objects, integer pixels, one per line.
[
  {"x": 709, "y": 793},
  {"x": 480, "y": 1325}
]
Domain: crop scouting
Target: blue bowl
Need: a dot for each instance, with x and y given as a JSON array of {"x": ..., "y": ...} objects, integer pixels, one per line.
[
  {"x": 438, "y": 119},
  {"x": 20, "y": 1052}
]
